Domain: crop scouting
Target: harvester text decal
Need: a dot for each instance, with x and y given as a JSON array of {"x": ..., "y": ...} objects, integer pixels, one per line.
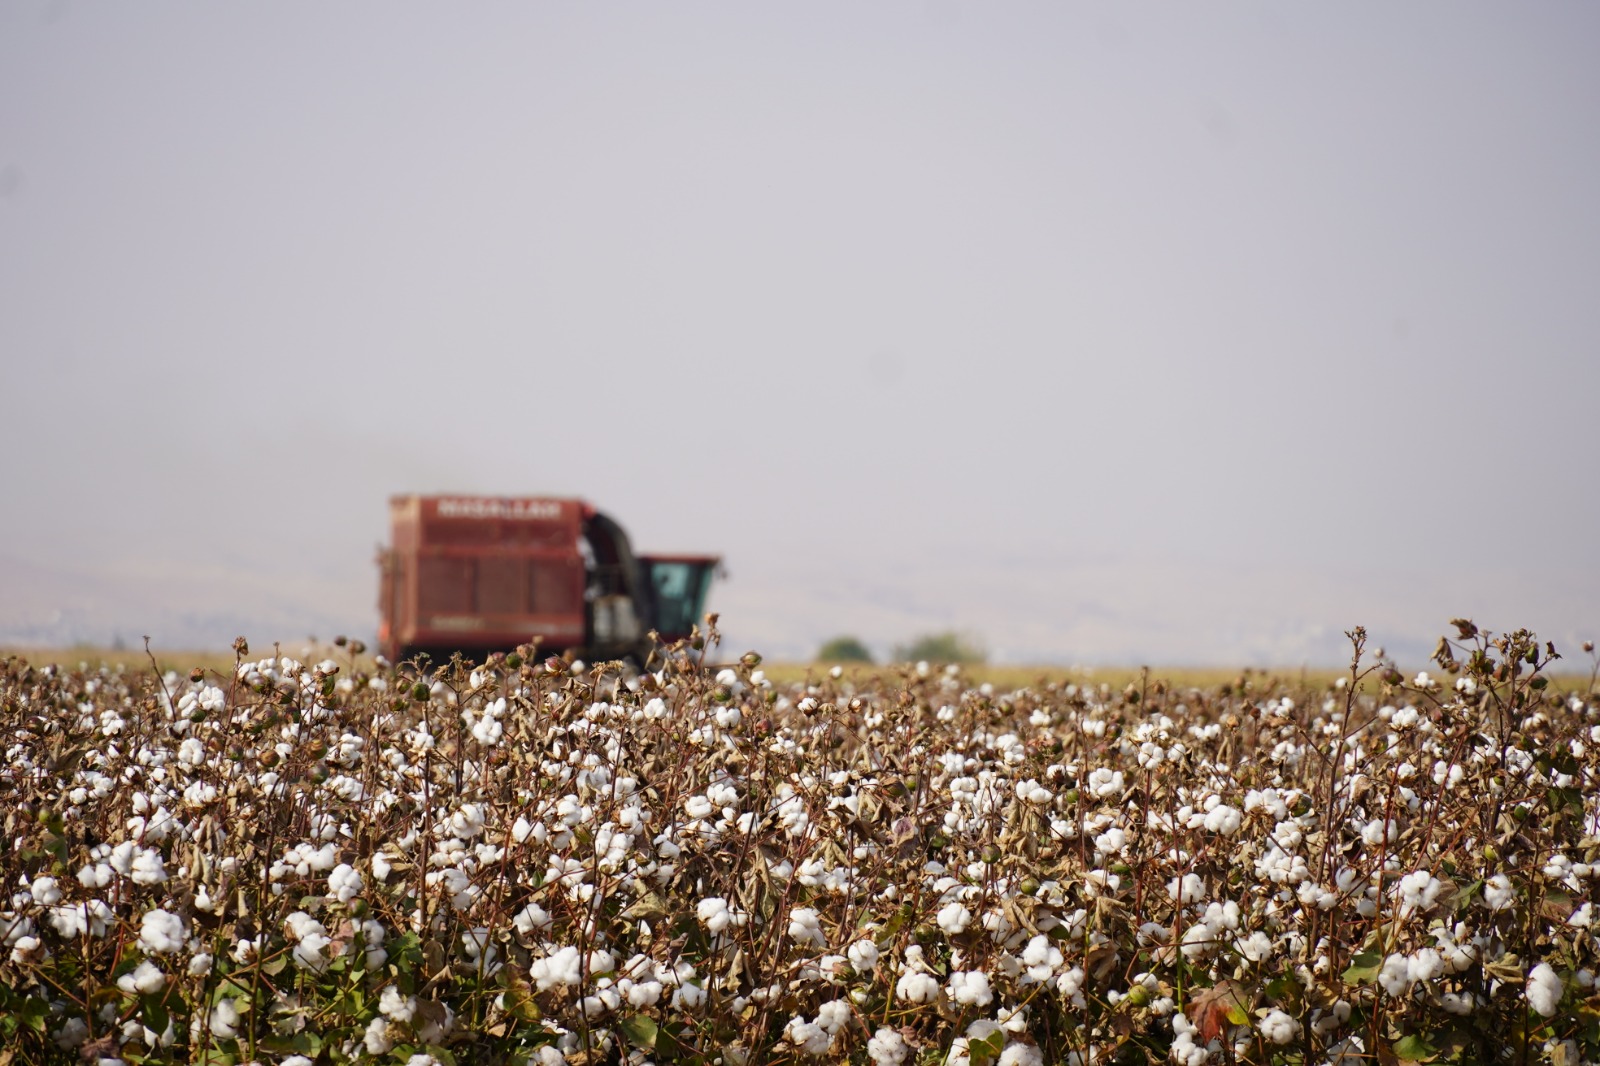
[{"x": 470, "y": 507}]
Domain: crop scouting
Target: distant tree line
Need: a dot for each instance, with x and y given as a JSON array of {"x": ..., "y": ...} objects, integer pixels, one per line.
[{"x": 946, "y": 647}]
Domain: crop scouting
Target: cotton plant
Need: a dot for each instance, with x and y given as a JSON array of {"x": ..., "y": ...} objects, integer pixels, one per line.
[{"x": 315, "y": 859}]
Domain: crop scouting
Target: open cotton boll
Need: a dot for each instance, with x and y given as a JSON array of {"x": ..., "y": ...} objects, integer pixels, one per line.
[
  {"x": 344, "y": 883},
  {"x": 160, "y": 932},
  {"x": 807, "y": 1036},
  {"x": 1223, "y": 819},
  {"x": 1278, "y": 1027},
  {"x": 1545, "y": 989},
  {"x": 916, "y": 988},
  {"x": 863, "y": 955},
  {"x": 970, "y": 987},
  {"x": 715, "y": 914},
  {"x": 805, "y": 926},
  {"x": 953, "y": 918},
  {"x": 887, "y": 1048},
  {"x": 1498, "y": 892},
  {"x": 146, "y": 979},
  {"x": 1021, "y": 1055},
  {"x": 224, "y": 1019}
]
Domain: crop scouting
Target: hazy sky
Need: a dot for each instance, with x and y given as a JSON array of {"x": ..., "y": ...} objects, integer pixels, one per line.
[{"x": 1167, "y": 333}]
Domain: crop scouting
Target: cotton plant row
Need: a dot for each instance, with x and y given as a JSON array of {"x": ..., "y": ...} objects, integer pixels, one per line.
[{"x": 542, "y": 862}]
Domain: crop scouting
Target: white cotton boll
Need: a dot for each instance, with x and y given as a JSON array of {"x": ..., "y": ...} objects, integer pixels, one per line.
[
  {"x": 467, "y": 822},
  {"x": 45, "y": 891},
  {"x": 1223, "y": 819},
  {"x": 713, "y": 913},
  {"x": 1583, "y": 917},
  {"x": 887, "y": 1048},
  {"x": 1395, "y": 976},
  {"x": 70, "y": 921},
  {"x": 1498, "y": 893},
  {"x": 1106, "y": 783},
  {"x": 698, "y": 807},
  {"x": 376, "y": 1038},
  {"x": 1256, "y": 947},
  {"x": 344, "y": 883},
  {"x": 311, "y": 952},
  {"x": 1279, "y": 1028},
  {"x": 1418, "y": 890},
  {"x": 146, "y": 979},
  {"x": 688, "y": 997},
  {"x": 396, "y": 1005},
  {"x": 1041, "y": 953},
  {"x": 1199, "y": 940},
  {"x": 916, "y": 988},
  {"x": 807, "y": 1036},
  {"x": 300, "y": 924},
  {"x": 953, "y": 918},
  {"x": 147, "y": 867},
  {"x": 805, "y": 926},
  {"x": 71, "y": 1034},
  {"x": 1012, "y": 1019},
  {"x": 832, "y": 1015},
  {"x": 863, "y": 955},
  {"x": 381, "y": 867},
  {"x": 1424, "y": 965},
  {"x": 970, "y": 987},
  {"x": 224, "y": 1020},
  {"x": 1030, "y": 791},
  {"x": 530, "y": 918},
  {"x": 160, "y": 932},
  {"x": 1188, "y": 889},
  {"x": 488, "y": 731},
  {"x": 1544, "y": 990},
  {"x": 96, "y": 875},
  {"x": 1111, "y": 842},
  {"x": 560, "y": 969},
  {"x": 1021, "y": 1055},
  {"x": 23, "y": 944},
  {"x": 1557, "y": 867},
  {"x": 200, "y": 965}
]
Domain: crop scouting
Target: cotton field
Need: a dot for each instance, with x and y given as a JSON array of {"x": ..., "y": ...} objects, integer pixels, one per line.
[{"x": 545, "y": 862}]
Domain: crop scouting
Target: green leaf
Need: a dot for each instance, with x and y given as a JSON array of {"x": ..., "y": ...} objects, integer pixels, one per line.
[
  {"x": 982, "y": 1052},
  {"x": 1363, "y": 969},
  {"x": 519, "y": 1002},
  {"x": 154, "y": 1013},
  {"x": 34, "y": 1012},
  {"x": 301, "y": 1043},
  {"x": 640, "y": 1030},
  {"x": 1415, "y": 1049},
  {"x": 405, "y": 952},
  {"x": 1568, "y": 801}
]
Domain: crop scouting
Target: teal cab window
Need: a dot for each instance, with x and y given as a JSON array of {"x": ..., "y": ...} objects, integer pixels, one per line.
[{"x": 678, "y": 591}]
